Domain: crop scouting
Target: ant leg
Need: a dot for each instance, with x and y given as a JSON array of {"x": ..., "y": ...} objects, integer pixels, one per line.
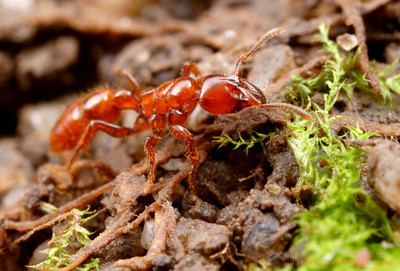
[
  {"x": 132, "y": 82},
  {"x": 149, "y": 148},
  {"x": 108, "y": 128},
  {"x": 183, "y": 133},
  {"x": 190, "y": 69}
]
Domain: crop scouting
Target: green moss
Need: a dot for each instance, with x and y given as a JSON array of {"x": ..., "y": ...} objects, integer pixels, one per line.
[
  {"x": 63, "y": 243},
  {"x": 92, "y": 265},
  {"x": 344, "y": 219},
  {"x": 48, "y": 207},
  {"x": 389, "y": 81},
  {"x": 254, "y": 139},
  {"x": 341, "y": 71}
]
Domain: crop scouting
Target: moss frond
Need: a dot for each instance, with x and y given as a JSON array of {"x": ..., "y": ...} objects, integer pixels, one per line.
[
  {"x": 247, "y": 144},
  {"x": 65, "y": 243},
  {"x": 341, "y": 72}
]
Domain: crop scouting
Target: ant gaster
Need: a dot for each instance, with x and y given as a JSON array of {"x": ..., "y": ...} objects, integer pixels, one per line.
[{"x": 165, "y": 107}]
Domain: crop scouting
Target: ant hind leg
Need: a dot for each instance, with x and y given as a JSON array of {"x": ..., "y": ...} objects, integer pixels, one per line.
[{"x": 108, "y": 128}]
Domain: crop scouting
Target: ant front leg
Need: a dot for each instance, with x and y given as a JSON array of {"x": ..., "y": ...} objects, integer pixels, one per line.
[
  {"x": 183, "y": 133},
  {"x": 149, "y": 148},
  {"x": 190, "y": 69}
]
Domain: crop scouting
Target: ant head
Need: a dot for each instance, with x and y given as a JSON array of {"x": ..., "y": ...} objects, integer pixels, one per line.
[{"x": 224, "y": 95}]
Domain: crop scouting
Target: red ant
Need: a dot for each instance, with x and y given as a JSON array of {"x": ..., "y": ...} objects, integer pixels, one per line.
[{"x": 167, "y": 106}]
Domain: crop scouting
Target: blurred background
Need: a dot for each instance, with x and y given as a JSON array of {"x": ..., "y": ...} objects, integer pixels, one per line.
[{"x": 49, "y": 48}]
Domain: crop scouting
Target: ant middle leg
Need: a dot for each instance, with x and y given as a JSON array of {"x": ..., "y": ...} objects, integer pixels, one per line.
[{"x": 181, "y": 132}]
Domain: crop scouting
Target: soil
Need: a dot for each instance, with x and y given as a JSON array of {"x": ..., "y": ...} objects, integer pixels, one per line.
[{"x": 243, "y": 210}]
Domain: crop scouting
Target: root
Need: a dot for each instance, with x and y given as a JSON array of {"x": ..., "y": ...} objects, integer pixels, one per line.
[
  {"x": 175, "y": 242},
  {"x": 159, "y": 243},
  {"x": 385, "y": 130},
  {"x": 302, "y": 28},
  {"x": 353, "y": 15},
  {"x": 168, "y": 186},
  {"x": 50, "y": 219},
  {"x": 115, "y": 230},
  {"x": 43, "y": 226},
  {"x": 123, "y": 226}
]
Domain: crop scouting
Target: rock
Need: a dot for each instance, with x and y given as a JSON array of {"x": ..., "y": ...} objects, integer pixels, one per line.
[
  {"x": 128, "y": 187},
  {"x": 15, "y": 169},
  {"x": 125, "y": 246},
  {"x": 195, "y": 262},
  {"x": 40, "y": 64},
  {"x": 261, "y": 223},
  {"x": 39, "y": 255},
  {"x": 194, "y": 207},
  {"x": 202, "y": 237},
  {"x": 392, "y": 52},
  {"x": 270, "y": 64},
  {"x": 22, "y": 20},
  {"x": 383, "y": 166},
  {"x": 154, "y": 60},
  {"x": 35, "y": 124},
  {"x": 259, "y": 237},
  {"x": 280, "y": 157}
]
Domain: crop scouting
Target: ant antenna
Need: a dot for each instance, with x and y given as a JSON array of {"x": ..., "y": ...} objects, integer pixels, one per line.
[
  {"x": 132, "y": 82},
  {"x": 266, "y": 37},
  {"x": 291, "y": 108}
]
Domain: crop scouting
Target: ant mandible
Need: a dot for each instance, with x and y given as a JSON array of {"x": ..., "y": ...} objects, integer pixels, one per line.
[{"x": 167, "y": 106}]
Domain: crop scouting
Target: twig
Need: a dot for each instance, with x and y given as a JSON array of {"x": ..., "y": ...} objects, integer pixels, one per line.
[
  {"x": 83, "y": 200},
  {"x": 159, "y": 243},
  {"x": 354, "y": 18}
]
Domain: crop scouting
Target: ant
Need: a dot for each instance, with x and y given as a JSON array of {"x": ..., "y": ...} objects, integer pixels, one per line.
[{"x": 165, "y": 107}]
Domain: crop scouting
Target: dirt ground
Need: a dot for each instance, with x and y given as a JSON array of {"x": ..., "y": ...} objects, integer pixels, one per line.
[{"x": 51, "y": 51}]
